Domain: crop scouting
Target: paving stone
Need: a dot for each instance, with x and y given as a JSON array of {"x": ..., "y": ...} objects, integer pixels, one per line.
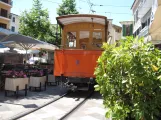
[
  {"x": 39, "y": 112},
  {"x": 87, "y": 118},
  {"x": 91, "y": 110},
  {"x": 4, "y": 108},
  {"x": 97, "y": 116},
  {"x": 22, "y": 104},
  {"x": 30, "y": 106}
]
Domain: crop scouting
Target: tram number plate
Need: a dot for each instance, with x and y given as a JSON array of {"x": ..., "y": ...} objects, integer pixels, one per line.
[{"x": 77, "y": 62}]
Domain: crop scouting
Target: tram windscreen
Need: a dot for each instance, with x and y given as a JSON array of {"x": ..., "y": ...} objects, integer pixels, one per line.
[
  {"x": 97, "y": 35},
  {"x": 71, "y": 39}
]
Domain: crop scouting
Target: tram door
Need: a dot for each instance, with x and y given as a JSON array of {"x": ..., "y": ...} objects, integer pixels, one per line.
[{"x": 84, "y": 39}]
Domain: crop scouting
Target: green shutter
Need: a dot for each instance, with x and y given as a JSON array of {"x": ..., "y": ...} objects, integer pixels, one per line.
[
  {"x": 124, "y": 30},
  {"x": 131, "y": 29}
]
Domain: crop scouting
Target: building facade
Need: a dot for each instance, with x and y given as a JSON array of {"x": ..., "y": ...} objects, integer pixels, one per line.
[
  {"x": 127, "y": 28},
  {"x": 14, "y": 22},
  {"x": 5, "y": 8},
  {"x": 114, "y": 31},
  {"x": 142, "y": 14}
]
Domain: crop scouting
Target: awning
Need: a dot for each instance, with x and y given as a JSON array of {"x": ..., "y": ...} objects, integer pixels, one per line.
[
  {"x": 155, "y": 28},
  {"x": 78, "y": 18}
]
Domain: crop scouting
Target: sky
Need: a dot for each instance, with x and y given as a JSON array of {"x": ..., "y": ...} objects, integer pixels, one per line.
[{"x": 118, "y": 10}]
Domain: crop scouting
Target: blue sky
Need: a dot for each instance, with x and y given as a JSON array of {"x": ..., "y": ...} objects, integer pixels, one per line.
[{"x": 118, "y": 10}]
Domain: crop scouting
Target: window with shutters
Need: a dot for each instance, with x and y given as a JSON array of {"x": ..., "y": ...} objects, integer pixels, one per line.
[
  {"x": 13, "y": 29},
  {"x": 124, "y": 30},
  {"x": 131, "y": 29},
  {"x": 127, "y": 30},
  {"x": 13, "y": 19}
]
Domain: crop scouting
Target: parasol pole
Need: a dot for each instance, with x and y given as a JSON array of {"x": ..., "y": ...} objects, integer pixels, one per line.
[{"x": 26, "y": 56}]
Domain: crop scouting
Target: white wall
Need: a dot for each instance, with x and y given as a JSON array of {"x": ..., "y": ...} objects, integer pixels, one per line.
[
  {"x": 16, "y": 23},
  {"x": 115, "y": 35},
  {"x": 110, "y": 29}
]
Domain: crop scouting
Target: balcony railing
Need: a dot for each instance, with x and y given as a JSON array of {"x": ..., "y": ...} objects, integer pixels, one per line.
[
  {"x": 144, "y": 32},
  {"x": 7, "y": 2},
  {"x": 141, "y": 3},
  {"x": 5, "y": 16}
]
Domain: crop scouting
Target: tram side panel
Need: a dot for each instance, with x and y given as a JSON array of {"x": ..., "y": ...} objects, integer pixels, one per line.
[{"x": 76, "y": 67}]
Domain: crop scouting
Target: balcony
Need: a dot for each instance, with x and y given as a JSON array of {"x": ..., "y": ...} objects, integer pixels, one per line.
[
  {"x": 5, "y": 18},
  {"x": 144, "y": 32},
  {"x": 144, "y": 7},
  {"x": 7, "y": 2}
]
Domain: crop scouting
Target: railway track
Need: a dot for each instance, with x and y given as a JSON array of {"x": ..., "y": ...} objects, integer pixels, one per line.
[
  {"x": 69, "y": 101},
  {"x": 76, "y": 107}
]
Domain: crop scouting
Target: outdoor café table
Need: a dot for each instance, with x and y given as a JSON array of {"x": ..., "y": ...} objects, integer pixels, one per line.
[{"x": 15, "y": 85}]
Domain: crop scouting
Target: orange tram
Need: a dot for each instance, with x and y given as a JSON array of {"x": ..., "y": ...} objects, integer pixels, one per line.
[{"x": 82, "y": 38}]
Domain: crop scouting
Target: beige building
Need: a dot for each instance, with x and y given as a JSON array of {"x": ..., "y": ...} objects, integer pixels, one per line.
[
  {"x": 5, "y": 7},
  {"x": 114, "y": 32}
]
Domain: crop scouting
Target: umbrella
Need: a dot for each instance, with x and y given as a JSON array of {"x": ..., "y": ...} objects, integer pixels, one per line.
[
  {"x": 2, "y": 46},
  {"x": 45, "y": 46},
  {"x": 155, "y": 26},
  {"x": 20, "y": 42},
  {"x": 28, "y": 52}
]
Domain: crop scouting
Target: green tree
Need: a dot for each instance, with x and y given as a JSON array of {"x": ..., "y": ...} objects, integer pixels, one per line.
[
  {"x": 67, "y": 7},
  {"x": 129, "y": 79},
  {"x": 35, "y": 23}
]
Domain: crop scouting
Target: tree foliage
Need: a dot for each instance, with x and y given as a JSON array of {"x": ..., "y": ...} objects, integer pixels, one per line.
[
  {"x": 129, "y": 79},
  {"x": 67, "y": 7},
  {"x": 35, "y": 23}
]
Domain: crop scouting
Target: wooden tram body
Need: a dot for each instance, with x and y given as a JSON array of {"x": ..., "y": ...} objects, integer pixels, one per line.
[{"x": 82, "y": 38}]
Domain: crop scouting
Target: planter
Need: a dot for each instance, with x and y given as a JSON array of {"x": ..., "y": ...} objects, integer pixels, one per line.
[
  {"x": 16, "y": 84},
  {"x": 51, "y": 79},
  {"x": 37, "y": 82}
]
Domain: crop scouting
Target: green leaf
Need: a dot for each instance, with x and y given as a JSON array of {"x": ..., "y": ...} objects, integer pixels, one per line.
[
  {"x": 97, "y": 88},
  {"x": 159, "y": 77},
  {"x": 124, "y": 81}
]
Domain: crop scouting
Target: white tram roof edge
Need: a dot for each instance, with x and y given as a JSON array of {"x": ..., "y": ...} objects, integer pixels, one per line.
[{"x": 78, "y": 18}]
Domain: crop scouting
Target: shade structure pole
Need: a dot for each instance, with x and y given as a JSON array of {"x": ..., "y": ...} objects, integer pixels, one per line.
[
  {"x": 57, "y": 31},
  {"x": 26, "y": 55}
]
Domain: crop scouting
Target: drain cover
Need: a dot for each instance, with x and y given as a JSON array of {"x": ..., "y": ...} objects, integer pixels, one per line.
[{"x": 30, "y": 106}]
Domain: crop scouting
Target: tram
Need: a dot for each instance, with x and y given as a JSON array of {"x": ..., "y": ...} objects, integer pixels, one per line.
[{"x": 82, "y": 38}]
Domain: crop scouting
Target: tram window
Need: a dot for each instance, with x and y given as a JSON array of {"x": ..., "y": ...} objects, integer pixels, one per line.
[
  {"x": 71, "y": 39},
  {"x": 97, "y": 35},
  {"x": 84, "y": 35}
]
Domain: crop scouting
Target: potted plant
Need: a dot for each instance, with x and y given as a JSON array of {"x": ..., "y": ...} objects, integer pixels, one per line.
[
  {"x": 15, "y": 81},
  {"x": 37, "y": 80},
  {"x": 129, "y": 78}
]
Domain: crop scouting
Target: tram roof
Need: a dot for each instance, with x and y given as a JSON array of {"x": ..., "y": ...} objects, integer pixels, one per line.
[{"x": 77, "y": 18}]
